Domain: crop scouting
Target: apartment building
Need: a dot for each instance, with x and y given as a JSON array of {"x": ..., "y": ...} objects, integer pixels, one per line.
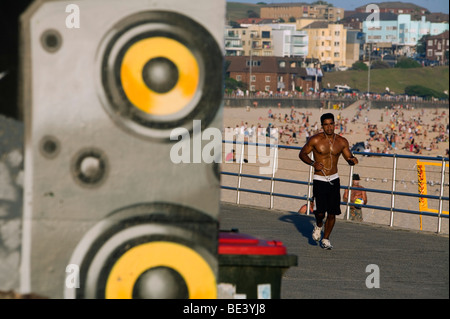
[
  {"x": 256, "y": 40},
  {"x": 354, "y": 47},
  {"x": 288, "y": 11},
  {"x": 233, "y": 42},
  {"x": 274, "y": 74},
  {"x": 437, "y": 46},
  {"x": 288, "y": 42},
  {"x": 327, "y": 42},
  {"x": 402, "y": 32}
]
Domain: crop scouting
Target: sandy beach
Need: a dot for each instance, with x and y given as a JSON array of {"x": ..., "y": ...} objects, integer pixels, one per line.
[{"x": 428, "y": 128}]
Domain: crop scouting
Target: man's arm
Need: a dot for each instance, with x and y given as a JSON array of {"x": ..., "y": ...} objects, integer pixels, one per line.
[
  {"x": 347, "y": 154},
  {"x": 308, "y": 148},
  {"x": 345, "y": 196},
  {"x": 364, "y": 197},
  {"x": 303, "y": 155}
]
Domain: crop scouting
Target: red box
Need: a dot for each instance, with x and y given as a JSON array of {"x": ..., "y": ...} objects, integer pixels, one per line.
[
  {"x": 253, "y": 266},
  {"x": 231, "y": 243}
]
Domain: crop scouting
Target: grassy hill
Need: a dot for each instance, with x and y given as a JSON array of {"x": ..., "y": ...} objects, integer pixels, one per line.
[
  {"x": 436, "y": 78},
  {"x": 238, "y": 10}
]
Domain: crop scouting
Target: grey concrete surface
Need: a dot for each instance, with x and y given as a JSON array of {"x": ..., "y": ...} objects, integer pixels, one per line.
[{"x": 411, "y": 264}]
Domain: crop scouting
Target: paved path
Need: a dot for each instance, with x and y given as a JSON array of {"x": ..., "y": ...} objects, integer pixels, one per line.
[{"x": 411, "y": 264}]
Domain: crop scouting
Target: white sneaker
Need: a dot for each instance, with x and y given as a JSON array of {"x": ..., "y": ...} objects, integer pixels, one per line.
[
  {"x": 317, "y": 233},
  {"x": 325, "y": 244}
]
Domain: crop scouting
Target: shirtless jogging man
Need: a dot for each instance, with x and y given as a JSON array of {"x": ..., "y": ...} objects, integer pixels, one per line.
[{"x": 326, "y": 147}]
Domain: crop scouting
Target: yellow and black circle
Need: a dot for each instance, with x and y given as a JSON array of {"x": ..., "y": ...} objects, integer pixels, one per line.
[
  {"x": 160, "y": 71},
  {"x": 160, "y": 270},
  {"x": 149, "y": 251}
]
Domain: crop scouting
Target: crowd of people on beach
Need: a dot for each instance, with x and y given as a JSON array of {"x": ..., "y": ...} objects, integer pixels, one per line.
[
  {"x": 285, "y": 129},
  {"x": 408, "y": 133},
  {"x": 400, "y": 128},
  {"x": 326, "y": 94}
]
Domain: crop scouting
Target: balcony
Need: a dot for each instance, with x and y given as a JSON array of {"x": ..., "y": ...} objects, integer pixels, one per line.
[
  {"x": 264, "y": 46},
  {"x": 299, "y": 42},
  {"x": 233, "y": 45}
]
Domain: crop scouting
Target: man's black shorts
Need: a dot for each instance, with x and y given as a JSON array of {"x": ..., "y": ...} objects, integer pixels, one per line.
[{"x": 327, "y": 196}]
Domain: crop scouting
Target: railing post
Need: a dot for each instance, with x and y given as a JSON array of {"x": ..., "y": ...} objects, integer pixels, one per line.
[
  {"x": 310, "y": 182},
  {"x": 441, "y": 194},
  {"x": 350, "y": 183},
  {"x": 394, "y": 176},
  {"x": 310, "y": 178},
  {"x": 241, "y": 161},
  {"x": 274, "y": 168}
]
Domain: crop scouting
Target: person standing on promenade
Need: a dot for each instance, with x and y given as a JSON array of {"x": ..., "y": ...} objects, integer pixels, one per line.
[
  {"x": 358, "y": 196},
  {"x": 326, "y": 147}
]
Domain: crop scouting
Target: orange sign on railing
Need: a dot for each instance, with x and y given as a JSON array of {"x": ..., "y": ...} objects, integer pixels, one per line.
[{"x": 422, "y": 183}]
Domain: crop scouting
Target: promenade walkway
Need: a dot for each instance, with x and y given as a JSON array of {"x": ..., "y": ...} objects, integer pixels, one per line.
[{"x": 411, "y": 264}]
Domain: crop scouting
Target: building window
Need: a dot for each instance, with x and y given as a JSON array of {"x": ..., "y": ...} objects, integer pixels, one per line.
[
  {"x": 267, "y": 88},
  {"x": 265, "y": 34},
  {"x": 253, "y": 78},
  {"x": 430, "y": 42},
  {"x": 267, "y": 78},
  {"x": 429, "y": 52},
  {"x": 282, "y": 64},
  {"x": 238, "y": 78},
  {"x": 336, "y": 54},
  {"x": 254, "y": 63}
]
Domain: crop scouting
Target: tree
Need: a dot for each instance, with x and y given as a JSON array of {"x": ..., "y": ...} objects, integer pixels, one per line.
[
  {"x": 234, "y": 24},
  {"x": 252, "y": 14},
  {"x": 322, "y": 3},
  {"x": 231, "y": 85},
  {"x": 360, "y": 66},
  {"x": 407, "y": 63},
  {"x": 421, "y": 47}
]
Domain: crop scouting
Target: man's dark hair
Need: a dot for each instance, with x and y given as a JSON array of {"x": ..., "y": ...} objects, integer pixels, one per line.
[{"x": 326, "y": 116}]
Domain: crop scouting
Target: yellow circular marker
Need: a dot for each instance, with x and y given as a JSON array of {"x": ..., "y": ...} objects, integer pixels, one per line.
[
  {"x": 181, "y": 81},
  {"x": 196, "y": 272}
]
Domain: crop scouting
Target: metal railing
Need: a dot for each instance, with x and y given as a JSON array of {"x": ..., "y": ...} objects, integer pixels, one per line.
[{"x": 392, "y": 192}]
